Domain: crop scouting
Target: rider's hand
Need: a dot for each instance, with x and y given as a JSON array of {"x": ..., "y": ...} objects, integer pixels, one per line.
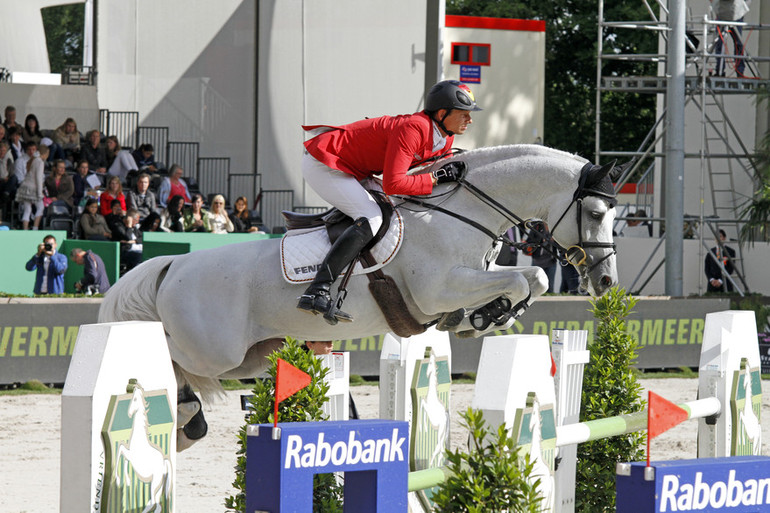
[{"x": 449, "y": 172}]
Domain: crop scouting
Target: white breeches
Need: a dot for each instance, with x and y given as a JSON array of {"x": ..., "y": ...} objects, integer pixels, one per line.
[
  {"x": 26, "y": 209},
  {"x": 341, "y": 190}
]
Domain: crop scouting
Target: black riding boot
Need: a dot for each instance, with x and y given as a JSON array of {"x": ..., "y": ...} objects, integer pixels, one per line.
[{"x": 317, "y": 298}]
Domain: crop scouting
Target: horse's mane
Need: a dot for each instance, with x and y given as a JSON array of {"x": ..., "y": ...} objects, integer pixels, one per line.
[{"x": 482, "y": 156}]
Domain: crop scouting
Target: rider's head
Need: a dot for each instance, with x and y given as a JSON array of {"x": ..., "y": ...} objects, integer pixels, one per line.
[{"x": 444, "y": 99}]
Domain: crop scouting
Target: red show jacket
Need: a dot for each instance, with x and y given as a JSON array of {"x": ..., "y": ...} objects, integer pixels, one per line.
[{"x": 389, "y": 145}]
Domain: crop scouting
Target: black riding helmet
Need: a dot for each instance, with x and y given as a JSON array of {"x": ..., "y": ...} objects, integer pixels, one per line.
[{"x": 449, "y": 94}]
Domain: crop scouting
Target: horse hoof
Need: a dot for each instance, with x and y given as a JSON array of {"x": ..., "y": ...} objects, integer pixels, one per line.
[
  {"x": 451, "y": 320},
  {"x": 197, "y": 427},
  {"x": 182, "y": 441},
  {"x": 186, "y": 411}
]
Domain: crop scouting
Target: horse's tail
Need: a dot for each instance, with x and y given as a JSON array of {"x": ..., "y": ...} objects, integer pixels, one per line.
[{"x": 132, "y": 298}]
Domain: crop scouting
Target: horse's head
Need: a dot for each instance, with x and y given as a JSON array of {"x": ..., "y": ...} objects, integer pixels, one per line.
[
  {"x": 137, "y": 404},
  {"x": 585, "y": 230}
]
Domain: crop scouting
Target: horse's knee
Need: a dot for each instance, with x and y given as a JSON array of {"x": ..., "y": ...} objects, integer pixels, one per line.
[{"x": 538, "y": 285}]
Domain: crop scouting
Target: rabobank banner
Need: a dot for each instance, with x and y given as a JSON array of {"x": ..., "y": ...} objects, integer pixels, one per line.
[
  {"x": 739, "y": 484},
  {"x": 373, "y": 454}
]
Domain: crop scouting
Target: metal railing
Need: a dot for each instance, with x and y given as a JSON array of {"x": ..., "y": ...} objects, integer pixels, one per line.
[
  {"x": 79, "y": 75},
  {"x": 244, "y": 184},
  {"x": 157, "y": 136},
  {"x": 184, "y": 154},
  {"x": 271, "y": 205},
  {"x": 121, "y": 124},
  {"x": 212, "y": 176}
]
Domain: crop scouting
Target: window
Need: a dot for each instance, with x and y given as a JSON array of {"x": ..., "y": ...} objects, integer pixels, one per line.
[{"x": 471, "y": 53}]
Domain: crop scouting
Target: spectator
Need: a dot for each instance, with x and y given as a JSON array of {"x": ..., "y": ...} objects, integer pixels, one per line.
[
  {"x": 729, "y": 10},
  {"x": 143, "y": 200},
  {"x": 50, "y": 267},
  {"x": 171, "y": 218},
  {"x": 173, "y": 185},
  {"x": 20, "y": 166},
  {"x": 144, "y": 156},
  {"x": 92, "y": 223},
  {"x": 725, "y": 255},
  {"x": 195, "y": 217},
  {"x": 15, "y": 144},
  {"x": 542, "y": 256},
  {"x": 94, "y": 280},
  {"x": 119, "y": 161},
  {"x": 10, "y": 119},
  {"x": 241, "y": 217},
  {"x": 115, "y": 219},
  {"x": 59, "y": 185},
  {"x": 30, "y": 191},
  {"x": 6, "y": 165},
  {"x": 509, "y": 255},
  {"x": 3, "y": 133},
  {"x": 94, "y": 153},
  {"x": 82, "y": 186},
  {"x": 570, "y": 280},
  {"x": 218, "y": 220},
  {"x": 68, "y": 138},
  {"x": 322, "y": 347},
  {"x": 31, "y": 131},
  {"x": 130, "y": 237},
  {"x": 114, "y": 191},
  {"x": 638, "y": 227}
]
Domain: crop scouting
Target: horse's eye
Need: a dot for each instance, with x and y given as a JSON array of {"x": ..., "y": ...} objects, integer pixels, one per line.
[{"x": 597, "y": 215}]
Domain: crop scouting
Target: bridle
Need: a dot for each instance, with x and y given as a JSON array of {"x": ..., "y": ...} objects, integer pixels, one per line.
[{"x": 575, "y": 254}]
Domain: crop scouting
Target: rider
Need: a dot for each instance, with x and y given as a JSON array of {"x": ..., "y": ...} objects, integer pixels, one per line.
[{"x": 339, "y": 158}]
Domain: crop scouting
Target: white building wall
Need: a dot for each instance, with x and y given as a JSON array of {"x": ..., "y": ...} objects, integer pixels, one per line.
[
  {"x": 185, "y": 64},
  {"x": 331, "y": 62},
  {"x": 512, "y": 88}
]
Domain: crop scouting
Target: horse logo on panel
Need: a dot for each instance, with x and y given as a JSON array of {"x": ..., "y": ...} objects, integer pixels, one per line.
[
  {"x": 430, "y": 415},
  {"x": 746, "y": 407},
  {"x": 535, "y": 430},
  {"x": 138, "y": 471}
]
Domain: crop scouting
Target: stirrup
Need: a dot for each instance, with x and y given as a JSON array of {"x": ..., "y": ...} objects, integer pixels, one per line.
[{"x": 322, "y": 303}]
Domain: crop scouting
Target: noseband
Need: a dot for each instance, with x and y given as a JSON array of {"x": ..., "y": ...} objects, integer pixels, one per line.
[{"x": 575, "y": 255}]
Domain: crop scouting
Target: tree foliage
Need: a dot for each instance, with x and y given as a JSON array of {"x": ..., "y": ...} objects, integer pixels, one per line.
[
  {"x": 304, "y": 406},
  {"x": 757, "y": 212},
  {"x": 64, "y": 35},
  {"x": 490, "y": 477},
  {"x": 609, "y": 388},
  {"x": 570, "y": 69}
]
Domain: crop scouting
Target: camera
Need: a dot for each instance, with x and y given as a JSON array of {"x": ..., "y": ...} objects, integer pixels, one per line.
[{"x": 48, "y": 246}]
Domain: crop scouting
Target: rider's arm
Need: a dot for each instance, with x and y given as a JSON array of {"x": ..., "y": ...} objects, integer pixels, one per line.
[{"x": 403, "y": 146}]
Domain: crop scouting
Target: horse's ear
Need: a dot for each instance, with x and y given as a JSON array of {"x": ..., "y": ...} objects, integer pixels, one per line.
[
  {"x": 619, "y": 171},
  {"x": 597, "y": 174}
]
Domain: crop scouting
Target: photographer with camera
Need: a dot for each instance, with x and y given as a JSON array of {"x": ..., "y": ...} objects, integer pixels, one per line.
[
  {"x": 94, "y": 280},
  {"x": 50, "y": 267}
]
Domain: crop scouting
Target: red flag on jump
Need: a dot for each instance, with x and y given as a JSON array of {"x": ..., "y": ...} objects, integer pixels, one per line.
[
  {"x": 288, "y": 381},
  {"x": 662, "y": 415}
]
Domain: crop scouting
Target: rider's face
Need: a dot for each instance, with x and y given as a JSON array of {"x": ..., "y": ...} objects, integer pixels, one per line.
[{"x": 457, "y": 121}]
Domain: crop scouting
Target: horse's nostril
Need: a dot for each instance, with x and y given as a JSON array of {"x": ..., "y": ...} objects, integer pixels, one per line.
[{"x": 606, "y": 281}]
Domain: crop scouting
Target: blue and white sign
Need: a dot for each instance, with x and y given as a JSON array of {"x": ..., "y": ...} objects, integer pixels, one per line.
[
  {"x": 470, "y": 74},
  {"x": 739, "y": 484},
  {"x": 373, "y": 454}
]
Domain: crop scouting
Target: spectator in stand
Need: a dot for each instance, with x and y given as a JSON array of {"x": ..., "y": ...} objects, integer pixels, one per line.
[
  {"x": 195, "y": 216},
  {"x": 144, "y": 156},
  {"x": 171, "y": 219},
  {"x": 119, "y": 161},
  {"x": 10, "y": 119},
  {"x": 20, "y": 166},
  {"x": 68, "y": 138},
  {"x": 241, "y": 217},
  {"x": 82, "y": 187},
  {"x": 31, "y": 131},
  {"x": 3, "y": 133},
  {"x": 218, "y": 220},
  {"x": 94, "y": 153},
  {"x": 50, "y": 267},
  {"x": 59, "y": 185},
  {"x": 30, "y": 191},
  {"x": 115, "y": 218},
  {"x": 6, "y": 165},
  {"x": 143, "y": 200},
  {"x": 130, "y": 237},
  {"x": 173, "y": 185},
  {"x": 15, "y": 144},
  {"x": 94, "y": 280},
  {"x": 92, "y": 223},
  {"x": 114, "y": 191}
]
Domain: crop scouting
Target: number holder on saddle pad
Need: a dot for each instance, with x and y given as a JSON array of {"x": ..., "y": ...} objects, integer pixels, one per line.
[{"x": 310, "y": 237}]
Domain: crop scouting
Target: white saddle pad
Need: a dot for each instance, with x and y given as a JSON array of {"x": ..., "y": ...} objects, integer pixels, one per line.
[{"x": 302, "y": 251}]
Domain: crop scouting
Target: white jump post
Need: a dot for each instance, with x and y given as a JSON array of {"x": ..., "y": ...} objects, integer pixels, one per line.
[
  {"x": 118, "y": 448},
  {"x": 338, "y": 378},
  {"x": 415, "y": 382}
]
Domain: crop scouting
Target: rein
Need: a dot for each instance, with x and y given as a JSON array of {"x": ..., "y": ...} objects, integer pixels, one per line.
[{"x": 575, "y": 255}]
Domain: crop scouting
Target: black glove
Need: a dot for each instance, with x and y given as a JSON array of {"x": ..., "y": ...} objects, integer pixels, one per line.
[{"x": 450, "y": 172}]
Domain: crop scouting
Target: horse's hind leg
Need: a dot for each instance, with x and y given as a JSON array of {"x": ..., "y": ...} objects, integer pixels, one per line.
[{"x": 191, "y": 423}]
